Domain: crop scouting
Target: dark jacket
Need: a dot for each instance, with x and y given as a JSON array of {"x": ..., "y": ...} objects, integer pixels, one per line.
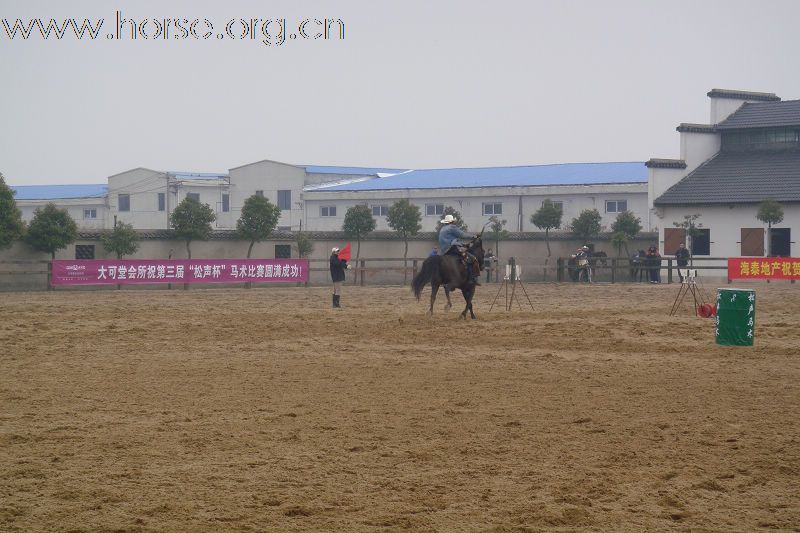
[
  {"x": 337, "y": 268},
  {"x": 682, "y": 256}
]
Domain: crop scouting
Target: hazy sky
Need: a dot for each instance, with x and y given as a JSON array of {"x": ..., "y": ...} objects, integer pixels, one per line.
[{"x": 413, "y": 84}]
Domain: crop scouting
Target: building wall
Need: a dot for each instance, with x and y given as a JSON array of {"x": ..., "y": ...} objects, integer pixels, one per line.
[
  {"x": 518, "y": 204},
  {"x": 725, "y": 224},
  {"x": 75, "y": 207},
  {"x": 270, "y": 177},
  {"x": 697, "y": 148}
]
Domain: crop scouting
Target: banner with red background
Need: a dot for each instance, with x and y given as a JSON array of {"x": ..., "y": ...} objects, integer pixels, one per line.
[
  {"x": 763, "y": 268},
  {"x": 149, "y": 271}
]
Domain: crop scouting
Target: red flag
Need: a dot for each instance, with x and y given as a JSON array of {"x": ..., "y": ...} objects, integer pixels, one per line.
[{"x": 344, "y": 253}]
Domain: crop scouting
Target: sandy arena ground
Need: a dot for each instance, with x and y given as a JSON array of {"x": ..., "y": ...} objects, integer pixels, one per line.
[{"x": 265, "y": 410}]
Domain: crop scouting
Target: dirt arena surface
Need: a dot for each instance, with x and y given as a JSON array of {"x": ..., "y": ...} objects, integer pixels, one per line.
[{"x": 265, "y": 410}]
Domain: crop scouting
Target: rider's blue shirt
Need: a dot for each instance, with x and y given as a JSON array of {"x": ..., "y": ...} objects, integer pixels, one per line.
[{"x": 448, "y": 234}]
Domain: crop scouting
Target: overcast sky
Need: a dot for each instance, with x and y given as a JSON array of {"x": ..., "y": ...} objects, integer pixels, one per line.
[{"x": 413, "y": 84}]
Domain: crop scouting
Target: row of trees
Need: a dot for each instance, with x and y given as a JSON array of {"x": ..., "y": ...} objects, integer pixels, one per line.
[{"x": 52, "y": 229}]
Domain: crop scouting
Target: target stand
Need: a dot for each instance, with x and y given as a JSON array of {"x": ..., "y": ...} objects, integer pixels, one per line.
[
  {"x": 689, "y": 285},
  {"x": 510, "y": 281}
]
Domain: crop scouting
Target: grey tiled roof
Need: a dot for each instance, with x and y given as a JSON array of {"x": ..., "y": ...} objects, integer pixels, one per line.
[
  {"x": 665, "y": 163},
  {"x": 742, "y": 95},
  {"x": 743, "y": 177},
  {"x": 763, "y": 115}
]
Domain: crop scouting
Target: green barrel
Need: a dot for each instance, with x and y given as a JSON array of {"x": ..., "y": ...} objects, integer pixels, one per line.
[{"x": 736, "y": 317}]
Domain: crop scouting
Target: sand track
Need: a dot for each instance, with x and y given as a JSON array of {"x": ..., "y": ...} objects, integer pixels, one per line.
[{"x": 264, "y": 410}]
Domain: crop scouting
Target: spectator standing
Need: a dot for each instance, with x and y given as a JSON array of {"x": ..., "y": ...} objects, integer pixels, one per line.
[
  {"x": 654, "y": 264},
  {"x": 682, "y": 259},
  {"x": 338, "y": 267}
]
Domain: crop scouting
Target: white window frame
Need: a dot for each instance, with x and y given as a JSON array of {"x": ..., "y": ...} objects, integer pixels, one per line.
[
  {"x": 616, "y": 206},
  {"x": 383, "y": 210},
  {"x": 436, "y": 207},
  {"x": 331, "y": 211},
  {"x": 556, "y": 203},
  {"x": 91, "y": 211},
  {"x": 493, "y": 209},
  {"x": 127, "y": 198},
  {"x": 196, "y": 196}
]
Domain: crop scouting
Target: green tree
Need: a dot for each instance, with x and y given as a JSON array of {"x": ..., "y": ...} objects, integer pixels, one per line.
[
  {"x": 122, "y": 240},
  {"x": 620, "y": 240},
  {"x": 11, "y": 226},
  {"x": 498, "y": 232},
  {"x": 191, "y": 221},
  {"x": 547, "y": 217},
  {"x": 258, "y": 220},
  {"x": 629, "y": 226},
  {"x": 358, "y": 222},
  {"x": 405, "y": 219},
  {"x": 459, "y": 220},
  {"x": 690, "y": 227},
  {"x": 51, "y": 230},
  {"x": 587, "y": 225},
  {"x": 304, "y": 244},
  {"x": 771, "y": 212}
]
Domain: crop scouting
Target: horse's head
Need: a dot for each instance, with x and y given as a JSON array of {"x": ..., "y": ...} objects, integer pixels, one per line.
[{"x": 476, "y": 248}]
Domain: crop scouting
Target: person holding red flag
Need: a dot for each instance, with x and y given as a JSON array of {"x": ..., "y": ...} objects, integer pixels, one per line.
[{"x": 338, "y": 265}]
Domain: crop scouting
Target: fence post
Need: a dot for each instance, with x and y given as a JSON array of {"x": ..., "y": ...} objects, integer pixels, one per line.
[
  {"x": 49, "y": 275},
  {"x": 560, "y": 269},
  {"x": 669, "y": 271},
  {"x": 613, "y": 269},
  {"x": 361, "y": 270}
]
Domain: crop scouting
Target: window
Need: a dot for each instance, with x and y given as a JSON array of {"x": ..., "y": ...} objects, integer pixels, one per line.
[
  {"x": 380, "y": 210},
  {"x": 124, "y": 202},
  {"x": 283, "y": 251},
  {"x": 434, "y": 210},
  {"x": 193, "y": 196},
  {"x": 327, "y": 211},
  {"x": 226, "y": 203},
  {"x": 557, "y": 205},
  {"x": 616, "y": 206},
  {"x": 90, "y": 213},
  {"x": 492, "y": 209},
  {"x": 701, "y": 243},
  {"x": 285, "y": 200},
  {"x": 84, "y": 251},
  {"x": 162, "y": 201},
  {"x": 260, "y": 193}
]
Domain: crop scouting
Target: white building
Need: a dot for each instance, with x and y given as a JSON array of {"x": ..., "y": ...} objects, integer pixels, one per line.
[
  {"x": 749, "y": 152},
  {"x": 316, "y": 198}
]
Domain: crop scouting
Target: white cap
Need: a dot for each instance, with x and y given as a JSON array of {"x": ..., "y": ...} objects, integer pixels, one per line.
[
  {"x": 448, "y": 219},
  {"x": 334, "y": 249}
]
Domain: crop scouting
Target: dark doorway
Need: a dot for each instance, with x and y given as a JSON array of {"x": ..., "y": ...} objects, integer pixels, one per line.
[{"x": 780, "y": 242}]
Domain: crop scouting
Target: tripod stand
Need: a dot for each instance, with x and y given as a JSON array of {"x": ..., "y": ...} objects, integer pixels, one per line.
[
  {"x": 688, "y": 285},
  {"x": 512, "y": 277}
]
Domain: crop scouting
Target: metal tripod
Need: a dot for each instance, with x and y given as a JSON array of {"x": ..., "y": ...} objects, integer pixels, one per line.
[
  {"x": 512, "y": 277},
  {"x": 688, "y": 285}
]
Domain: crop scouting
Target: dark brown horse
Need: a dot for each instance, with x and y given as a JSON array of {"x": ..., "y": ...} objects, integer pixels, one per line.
[{"x": 449, "y": 271}]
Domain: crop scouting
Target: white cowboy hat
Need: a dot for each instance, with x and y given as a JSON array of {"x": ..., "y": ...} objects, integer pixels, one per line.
[
  {"x": 448, "y": 219},
  {"x": 334, "y": 250}
]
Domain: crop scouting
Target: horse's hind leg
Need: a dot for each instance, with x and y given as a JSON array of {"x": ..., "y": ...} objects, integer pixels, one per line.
[
  {"x": 434, "y": 290},
  {"x": 449, "y": 303}
]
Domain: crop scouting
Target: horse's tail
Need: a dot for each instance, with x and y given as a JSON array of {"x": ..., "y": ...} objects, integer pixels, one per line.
[{"x": 423, "y": 277}]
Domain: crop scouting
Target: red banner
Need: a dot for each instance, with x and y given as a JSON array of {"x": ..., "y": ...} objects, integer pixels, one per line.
[
  {"x": 763, "y": 268},
  {"x": 150, "y": 271}
]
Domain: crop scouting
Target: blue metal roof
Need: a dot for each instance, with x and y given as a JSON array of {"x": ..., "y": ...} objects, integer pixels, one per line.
[
  {"x": 453, "y": 178},
  {"x": 359, "y": 171},
  {"x": 53, "y": 192}
]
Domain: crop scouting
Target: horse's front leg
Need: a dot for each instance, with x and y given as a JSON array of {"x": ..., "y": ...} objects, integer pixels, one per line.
[
  {"x": 467, "y": 298},
  {"x": 449, "y": 303}
]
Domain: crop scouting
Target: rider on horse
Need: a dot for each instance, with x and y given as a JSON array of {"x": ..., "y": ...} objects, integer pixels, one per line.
[{"x": 450, "y": 244}]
